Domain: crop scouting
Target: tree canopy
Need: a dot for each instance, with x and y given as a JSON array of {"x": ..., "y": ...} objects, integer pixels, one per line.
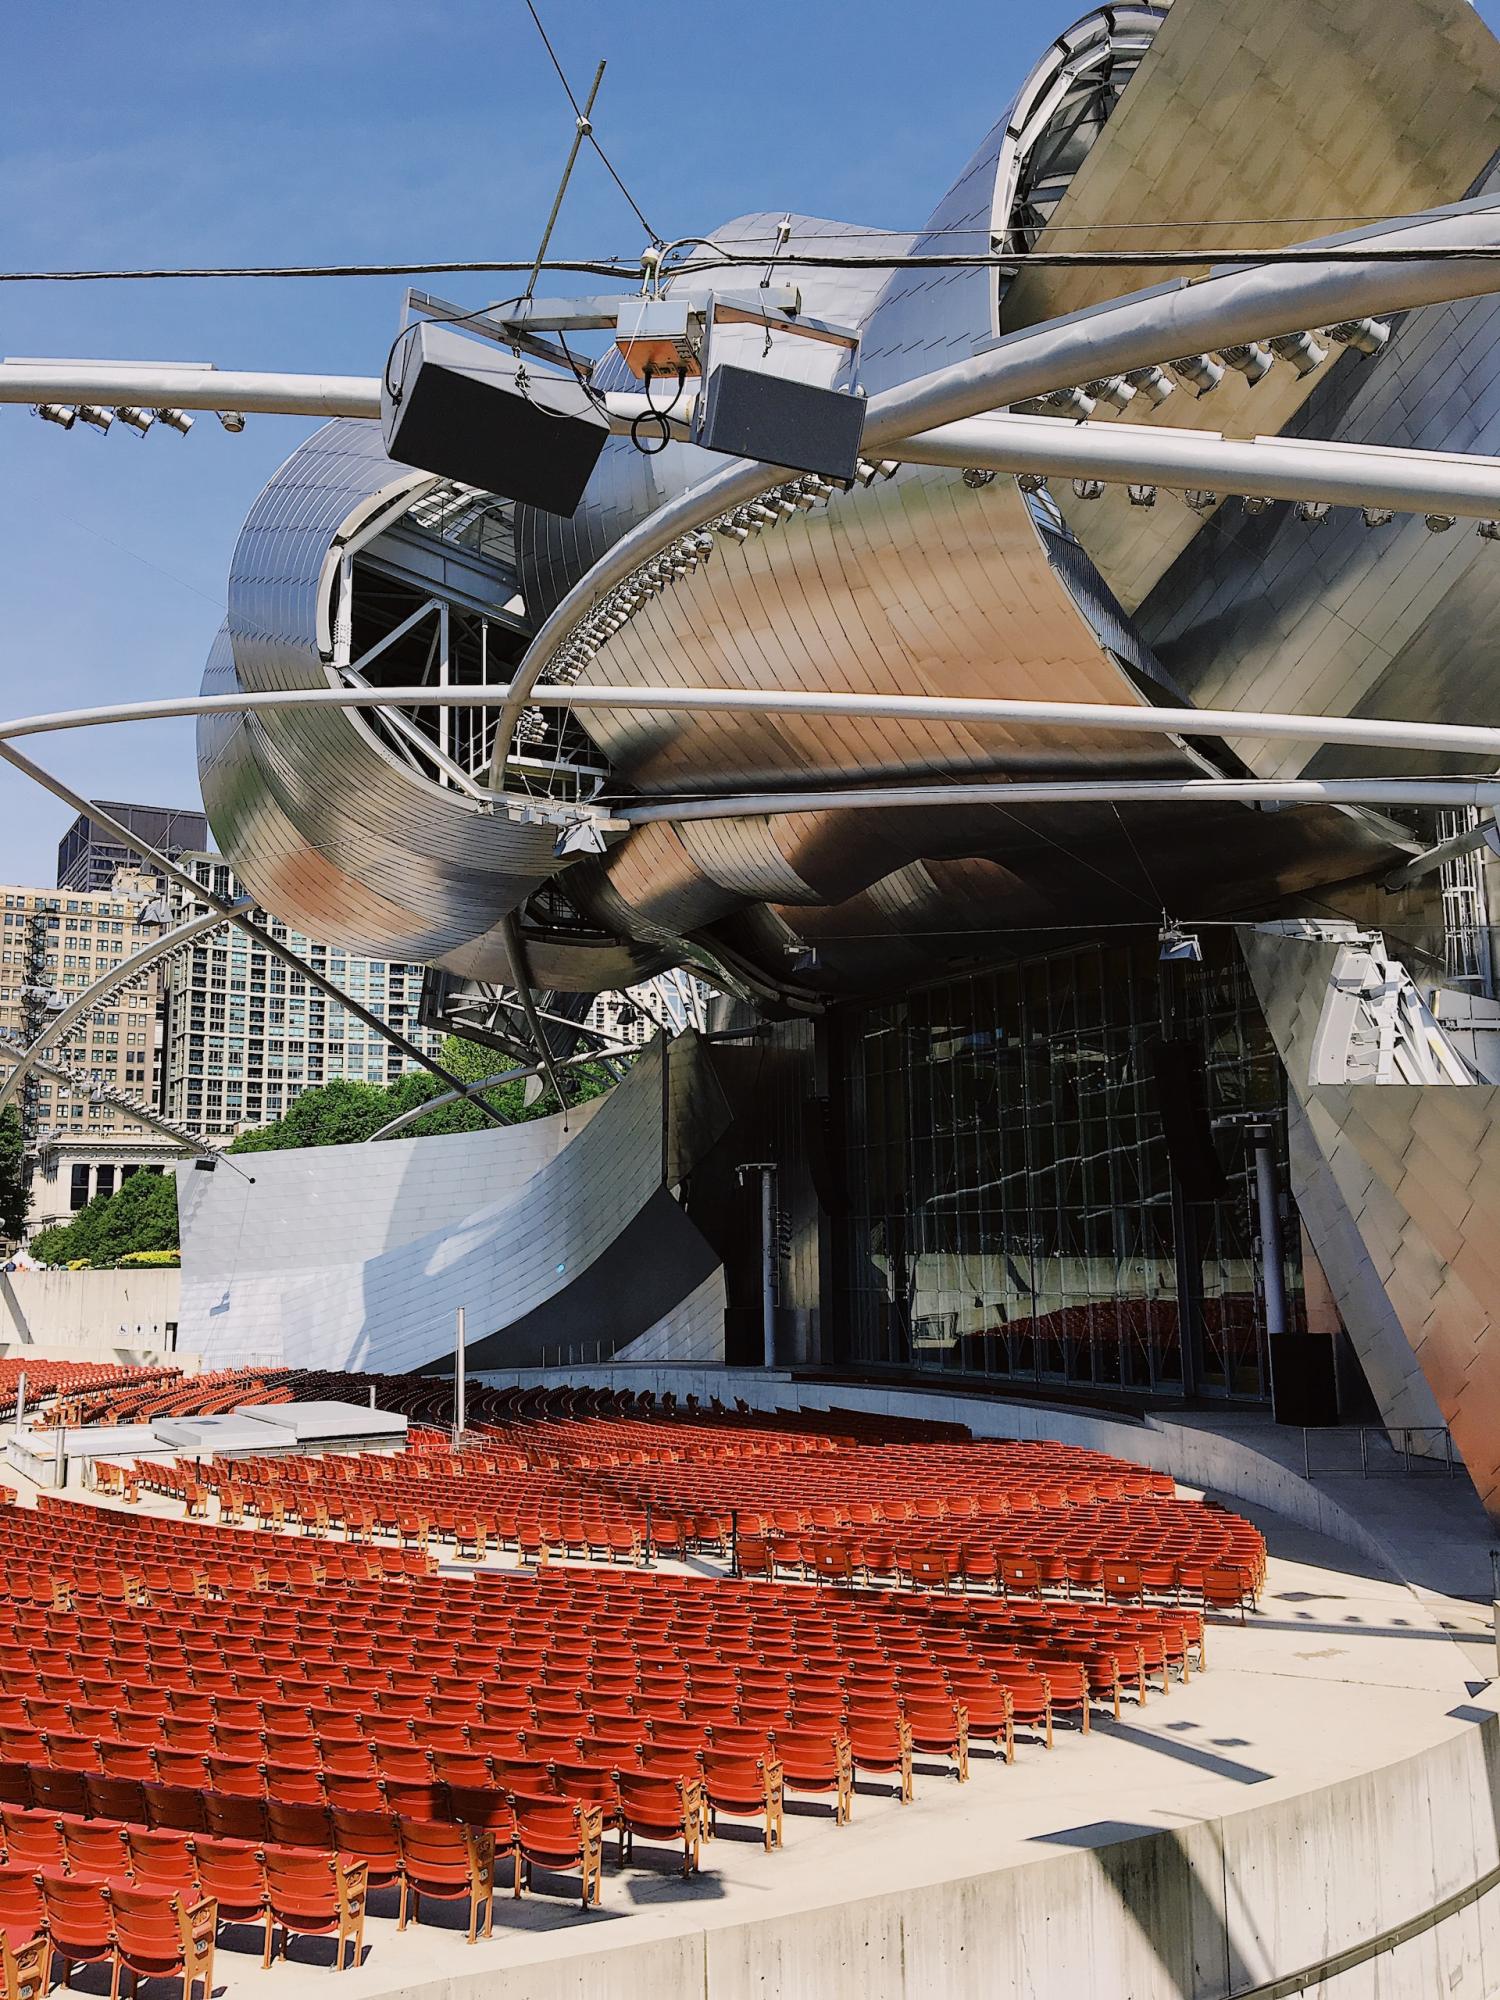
[
  {"x": 13, "y": 1194},
  {"x": 140, "y": 1215},
  {"x": 344, "y": 1112}
]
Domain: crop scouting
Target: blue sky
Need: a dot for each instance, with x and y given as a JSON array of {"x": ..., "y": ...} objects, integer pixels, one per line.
[{"x": 174, "y": 133}]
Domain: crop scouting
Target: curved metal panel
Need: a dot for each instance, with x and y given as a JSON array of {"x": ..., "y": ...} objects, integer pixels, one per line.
[{"x": 321, "y": 821}]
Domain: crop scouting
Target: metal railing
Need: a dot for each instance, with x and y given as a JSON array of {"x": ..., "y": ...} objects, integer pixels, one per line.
[{"x": 1384, "y": 1451}]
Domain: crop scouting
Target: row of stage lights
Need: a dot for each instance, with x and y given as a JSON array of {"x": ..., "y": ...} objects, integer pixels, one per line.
[
  {"x": 1201, "y": 501},
  {"x": 100, "y": 417},
  {"x": 1202, "y": 373}
]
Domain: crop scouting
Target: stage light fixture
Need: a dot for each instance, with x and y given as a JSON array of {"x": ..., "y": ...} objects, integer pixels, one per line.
[
  {"x": 1304, "y": 353},
  {"x": 138, "y": 420},
  {"x": 1439, "y": 524},
  {"x": 175, "y": 420},
  {"x": 1201, "y": 500},
  {"x": 1312, "y": 510},
  {"x": 977, "y": 476},
  {"x": 1365, "y": 336},
  {"x": 57, "y": 413},
  {"x": 1199, "y": 371},
  {"x": 1251, "y": 358},
  {"x": 1256, "y": 503},
  {"x": 232, "y": 420},
  {"x": 1153, "y": 385},
  {"x": 94, "y": 417},
  {"x": 1376, "y": 517},
  {"x": 732, "y": 531},
  {"x": 1112, "y": 389},
  {"x": 1031, "y": 482},
  {"x": 1069, "y": 403},
  {"x": 1142, "y": 496},
  {"x": 1088, "y": 489},
  {"x": 1488, "y": 531}
]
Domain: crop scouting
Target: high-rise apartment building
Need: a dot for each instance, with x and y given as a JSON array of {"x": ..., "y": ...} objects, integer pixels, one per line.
[
  {"x": 88, "y": 855},
  {"x": 244, "y": 1035},
  {"x": 53, "y": 945}
]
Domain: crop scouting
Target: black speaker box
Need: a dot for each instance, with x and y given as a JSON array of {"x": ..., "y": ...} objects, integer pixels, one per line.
[
  {"x": 750, "y": 414},
  {"x": 1181, "y": 1096},
  {"x": 469, "y": 411},
  {"x": 1304, "y": 1387}
]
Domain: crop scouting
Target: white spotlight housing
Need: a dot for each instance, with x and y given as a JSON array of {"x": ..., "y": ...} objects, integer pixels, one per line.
[
  {"x": 175, "y": 420},
  {"x": 1304, "y": 353},
  {"x": 1311, "y": 510},
  {"x": 1439, "y": 524},
  {"x": 1201, "y": 500},
  {"x": 232, "y": 420},
  {"x": 1365, "y": 336},
  {"x": 1069, "y": 403},
  {"x": 1032, "y": 482},
  {"x": 1200, "y": 371},
  {"x": 732, "y": 531},
  {"x": 976, "y": 476},
  {"x": 57, "y": 413},
  {"x": 1252, "y": 359},
  {"x": 1111, "y": 389},
  {"x": 94, "y": 417},
  {"x": 1142, "y": 496},
  {"x": 1152, "y": 384},
  {"x": 1256, "y": 503},
  {"x": 1088, "y": 489},
  {"x": 1488, "y": 531},
  {"x": 1376, "y": 517},
  {"x": 138, "y": 420}
]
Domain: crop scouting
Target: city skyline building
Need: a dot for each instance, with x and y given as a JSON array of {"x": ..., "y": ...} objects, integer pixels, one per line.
[
  {"x": 88, "y": 855},
  {"x": 243, "y": 1036}
]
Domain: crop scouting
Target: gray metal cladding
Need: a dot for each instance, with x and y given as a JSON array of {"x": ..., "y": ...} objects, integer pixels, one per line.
[
  {"x": 322, "y": 823},
  {"x": 359, "y": 1256}
]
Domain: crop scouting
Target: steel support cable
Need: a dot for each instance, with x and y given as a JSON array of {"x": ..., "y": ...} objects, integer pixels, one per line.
[
  {"x": 232, "y": 913},
  {"x": 420, "y": 1111}
]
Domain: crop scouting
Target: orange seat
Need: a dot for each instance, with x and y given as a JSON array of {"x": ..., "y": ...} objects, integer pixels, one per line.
[
  {"x": 317, "y": 1895},
  {"x": 163, "y": 1936},
  {"x": 559, "y": 1835},
  {"x": 447, "y": 1861}
]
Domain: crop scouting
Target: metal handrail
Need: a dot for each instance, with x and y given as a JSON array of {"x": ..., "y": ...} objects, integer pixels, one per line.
[{"x": 1389, "y": 1433}]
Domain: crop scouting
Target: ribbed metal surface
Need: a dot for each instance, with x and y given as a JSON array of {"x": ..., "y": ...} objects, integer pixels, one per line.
[
  {"x": 1399, "y": 1188},
  {"x": 323, "y": 824}
]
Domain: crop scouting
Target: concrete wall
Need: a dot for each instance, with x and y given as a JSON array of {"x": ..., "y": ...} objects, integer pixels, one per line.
[
  {"x": 1307, "y": 1891},
  {"x": 89, "y": 1315}
]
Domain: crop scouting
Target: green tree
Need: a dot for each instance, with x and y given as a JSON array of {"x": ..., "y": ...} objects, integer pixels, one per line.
[
  {"x": 343, "y": 1112},
  {"x": 140, "y": 1215},
  {"x": 13, "y": 1191}
]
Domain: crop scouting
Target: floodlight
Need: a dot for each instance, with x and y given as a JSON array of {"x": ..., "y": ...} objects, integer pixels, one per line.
[
  {"x": 1069, "y": 403},
  {"x": 1439, "y": 524},
  {"x": 1088, "y": 489},
  {"x": 1251, "y": 358},
  {"x": 138, "y": 420},
  {"x": 1201, "y": 500},
  {"x": 1111, "y": 389},
  {"x": 94, "y": 417},
  {"x": 1199, "y": 371},
  {"x": 977, "y": 476},
  {"x": 1256, "y": 503},
  {"x": 732, "y": 530},
  {"x": 1031, "y": 482},
  {"x": 1365, "y": 336},
  {"x": 1176, "y": 946},
  {"x": 175, "y": 420},
  {"x": 1376, "y": 517},
  {"x": 232, "y": 420},
  {"x": 1488, "y": 531},
  {"x": 1301, "y": 350},
  {"x": 57, "y": 413},
  {"x": 1311, "y": 510},
  {"x": 1142, "y": 496},
  {"x": 1153, "y": 385}
]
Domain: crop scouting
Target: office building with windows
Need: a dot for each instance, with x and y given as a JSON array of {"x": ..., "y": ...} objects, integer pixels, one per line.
[
  {"x": 88, "y": 855},
  {"x": 243, "y": 1036}
]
